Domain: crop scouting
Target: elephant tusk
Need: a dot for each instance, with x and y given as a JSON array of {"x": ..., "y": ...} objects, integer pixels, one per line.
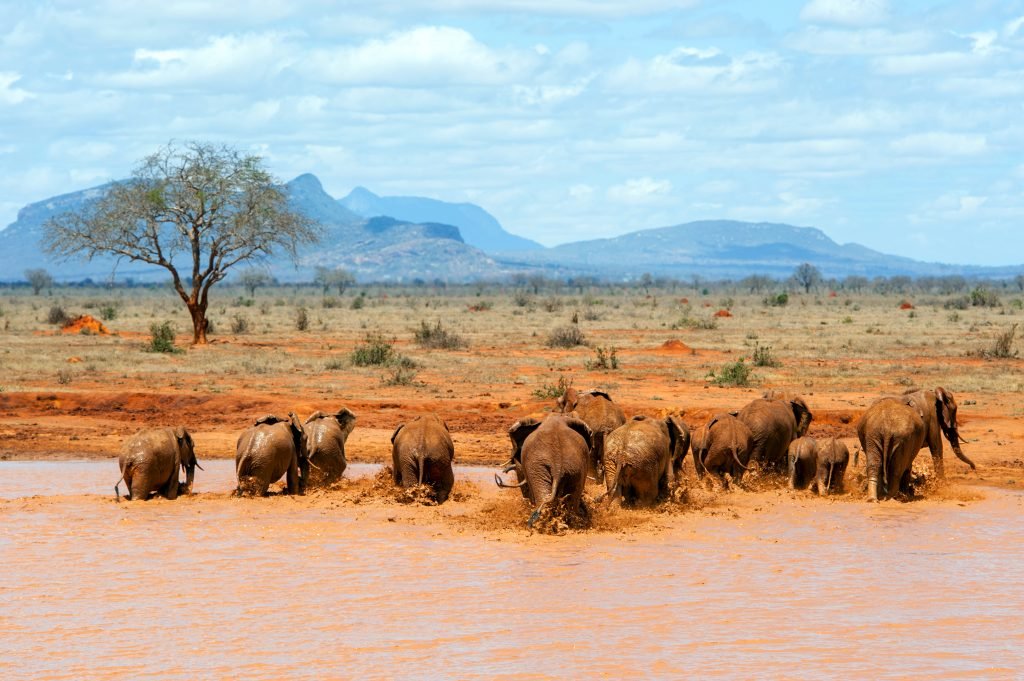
[
  {"x": 508, "y": 468},
  {"x": 501, "y": 483},
  {"x": 199, "y": 467}
]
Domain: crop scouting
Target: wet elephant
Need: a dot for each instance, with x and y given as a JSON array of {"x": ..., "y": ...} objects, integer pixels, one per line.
[
  {"x": 640, "y": 458},
  {"x": 891, "y": 433},
  {"x": 422, "y": 453},
  {"x": 553, "y": 457},
  {"x": 273, "y": 447},
  {"x": 326, "y": 435},
  {"x": 938, "y": 411},
  {"x": 150, "y": 461},
  {"x": 833, "y": 458},
  {"x": 803, "y": 462},
  {"x": 774, "y": 423},
  {"x": 602, "y": 416},
  {"x": 722, "y": 447}
]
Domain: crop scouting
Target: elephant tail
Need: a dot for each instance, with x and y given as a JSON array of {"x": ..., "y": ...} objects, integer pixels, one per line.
[
  {"x": 420, "y": 462},
  {"x": 117, "y": 492},
  {"x": 616, "y": 491},
  {"x": 555, "y": 480},
  {"x": 736, "y": 458},
  {"x": 828, "y": 481}
]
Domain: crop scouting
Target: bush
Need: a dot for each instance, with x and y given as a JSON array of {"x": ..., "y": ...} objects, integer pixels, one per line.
[
  {"x": 358, "y": 302},
  {"x": 552, "y": 305},
  {"x": 302, "y": 319},
  {"x": 521, "y": 299},
  {"x": 779, "y": 300},
  {"x": 984, "y": 297},
  {"x": 401, "y": 371},
  {"x": 958, "y": 303},
  {"x": 688, "y": 322},
  {"x": 57, "y": 315},
  {"x": 375, "y": 350},
  {"x": 64, "y": 376},
  {"x": 482, "y": 306},
  {"x": 605, "y": 359},
  {"x": 764, "y": 356},
  {"x": 437, "y": 337},
  {"x": 566, "y": 337},
  {"x": 1002, "y": 348},
  {"x": 162, "y": 337},
  {"x": 553, "y": 391},
  {"x": 330, "y": 303},
  {"x": 108, "y": 311},
  {"x": 239, "y": 324},
  {"x": 735, "y": 374}
]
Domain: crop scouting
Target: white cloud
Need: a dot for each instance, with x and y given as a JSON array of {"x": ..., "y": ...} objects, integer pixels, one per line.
[
  {"x": 639, "y": 190},
  {"x": 227, "y": 60},
  {"x": 867, "y": 41},
  {"x": 579, "y": 8},
  {"x": 421, "y": 57},
  {"x": 704, "y": 71},
  {"x": 931, "y": 62},
  {"x": 9, "y": 94},
  {"x": 940, "y": 144},
  {"x": 846, "y": 12}
]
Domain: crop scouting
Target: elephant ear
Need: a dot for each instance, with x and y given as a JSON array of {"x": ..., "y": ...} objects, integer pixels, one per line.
[
  {"x": 599, "y": 393},
  {"x": 945, "y": 408},
  {"x": 802, "y": 414},
  {"x": 568, "y": 400},
  {"x": 678, "y": 433},
  {"x": 518, "y": 433},
  {"x": 268, "y": 419},
  {"x": 714, "y": 419},
  {"x": 180, "y": 433},
  {"x": 397, "y": 430},
  {"x": 298, "y": 434},
  {"x": 639, "y": 417},
  {"x": 346, "y": 419},
  {"x": 314, "y": 416},
  {"x": 582, "y": 428}
]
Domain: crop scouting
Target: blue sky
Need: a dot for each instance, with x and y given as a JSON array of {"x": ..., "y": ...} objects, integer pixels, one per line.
[{"x": 896, "y": 125}]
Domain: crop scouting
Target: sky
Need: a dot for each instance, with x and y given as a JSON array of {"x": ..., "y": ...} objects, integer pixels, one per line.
[{"x": 897, "y": 125}]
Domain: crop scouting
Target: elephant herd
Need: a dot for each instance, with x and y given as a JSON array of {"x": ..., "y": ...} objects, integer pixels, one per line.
[{"x": 638, "y": 460}]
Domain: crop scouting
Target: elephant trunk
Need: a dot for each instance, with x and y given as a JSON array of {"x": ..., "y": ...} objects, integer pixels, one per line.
[
  {"x": 190, "y": 474},
  {"x": 954, "y": 440}
]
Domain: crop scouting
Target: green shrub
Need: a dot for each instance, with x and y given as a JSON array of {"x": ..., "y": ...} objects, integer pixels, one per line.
[
  {"x": 108, "y": 311},
  {"x": 375, "y": 350},
  {"x": 1002, "y": 348},
  {"x": 982, "y": 296},
  {"x": 958, "y": 303},
  {"x": 779, "y": 300},
  {"x": 57, "y": 315},
  {"x": 239, "y": 324},
  {"x": 437, "y": 337},
  {"x": 553, "y": 390},
  {"x": 161, "y": 337},
  {"x": 358, "y": 302},
  {"x": 735, "y": 374},
  {"x": 764, "y": 356},
  {"x": 302, "y": 319},
  {"x": 605, "y": 359}
]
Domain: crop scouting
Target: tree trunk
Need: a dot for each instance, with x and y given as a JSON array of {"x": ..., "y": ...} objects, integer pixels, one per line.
[{"x": 199, "y": 323}]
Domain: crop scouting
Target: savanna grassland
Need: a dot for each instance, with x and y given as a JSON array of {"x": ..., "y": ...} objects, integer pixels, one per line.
[{"x": 692, "y": 351}]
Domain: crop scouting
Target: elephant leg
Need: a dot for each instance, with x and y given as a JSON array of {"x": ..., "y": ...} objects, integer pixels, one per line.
[
  {"x": 140, "y": 487},
  {"x": 906, "y": 487},
  {"x": 292, "y": 477},
  {"x": 171, "y": 488},
  {"x": 663, "y": 487}
]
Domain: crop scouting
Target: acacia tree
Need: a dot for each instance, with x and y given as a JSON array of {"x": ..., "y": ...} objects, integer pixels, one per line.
[
  {"x": 38, "y": 279},
  {"x": 338, "y": 278},
  {"x": 198, "y": 207},
  {"x": 253, "y": 278},
  {"x": 807, "y": 275}
]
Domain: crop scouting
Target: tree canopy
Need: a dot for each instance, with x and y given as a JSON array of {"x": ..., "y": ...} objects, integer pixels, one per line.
[{"x": 195, "y": 209}]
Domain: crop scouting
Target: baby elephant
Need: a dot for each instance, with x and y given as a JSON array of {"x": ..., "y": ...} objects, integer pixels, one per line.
[
  {"x": 271, "y": 448},
  {"x": 422, "y": 453},
  {"x": 833, "y": 457},
  {"x": 640, "y": 456},
  {"x": 150, "y": 460},
  {"x": 721, "y": 447},
  {"x": 325, "y": 439},
  {"x": 803, "y": 462}
]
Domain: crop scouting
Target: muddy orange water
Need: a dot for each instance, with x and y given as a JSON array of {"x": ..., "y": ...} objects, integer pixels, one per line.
[{"x": 771, "y": 584}]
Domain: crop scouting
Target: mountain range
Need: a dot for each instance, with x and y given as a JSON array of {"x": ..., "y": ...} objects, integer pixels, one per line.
[{"x": 403, "y": 238}]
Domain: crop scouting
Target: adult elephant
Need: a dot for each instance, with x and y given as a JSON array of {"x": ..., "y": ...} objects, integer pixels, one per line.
[
  {"x": 553, "y": 457},
  {"x": 326, "y": 435},
  {"x": 602, "y": 416},
  {"x": 150, "y": 460},
  {"x": 833, "y": 458},
  {"x": 722, "y": 446},
  {"x": 640, "y": 456},
  {"x": 938, "y": 411},
  {"x": 422, "y": 453},
  {"x": 774, "y": 423},
  {"x": 891, "y": 433},
  {"x": 271, "y": 448}
]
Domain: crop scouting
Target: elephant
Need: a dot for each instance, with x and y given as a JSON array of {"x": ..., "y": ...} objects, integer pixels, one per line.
[
  {"x": 891, "y": 433},
  {"x": 553, "y": 456},
  {"x": 938, "y": 409},
  {"x": 721, "y": 446},
  {"x": 422, "y": 453},
  {"x": 326, "y": 435},
  {"x": 833, "y": 457},
  {"x": 640, "y": 456},
  {"x": 774, "y": 423},
  {"x": 150, "y": 460},
  {"x": 803, "y": 462},
  {"x": 602, "y": 416},
  {"x": 272, "y": 447}
]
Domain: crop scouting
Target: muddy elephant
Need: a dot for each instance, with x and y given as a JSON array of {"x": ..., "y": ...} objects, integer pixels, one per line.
[
  {"x": 641, "y": 456},
  {"x": 938, "y": 410},
  {"x": 833, "y": 458},
  {"x": 891, "y": 433},
  {"x": 553, "y": 457},
  {"x": 150, "y": 460},
  {"x": 326, "y": 435},
  {"x": 722, "y": 446},
  {"x": 602, "y": 416},
  {"x": 271, "y": 448},
  {"x": 774, "y": 423},
  {"x": 803, "y": 462},
  {"x": 422, "y": 453}
]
